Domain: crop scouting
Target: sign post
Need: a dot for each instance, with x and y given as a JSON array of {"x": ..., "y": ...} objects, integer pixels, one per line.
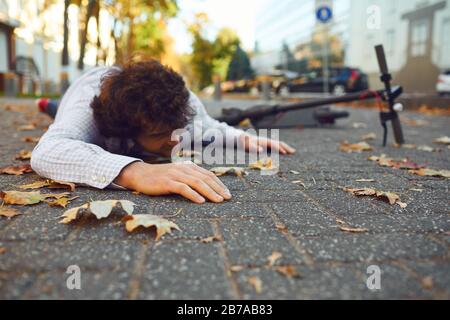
[{"x": 324, "y": 15}]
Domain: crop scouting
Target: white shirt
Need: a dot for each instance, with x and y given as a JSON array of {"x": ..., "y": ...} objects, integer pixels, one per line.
[{"x": 73, "y": 150}]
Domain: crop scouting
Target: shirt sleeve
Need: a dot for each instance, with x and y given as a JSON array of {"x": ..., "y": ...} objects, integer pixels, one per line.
[
  {"x": 70, "y": 151},
  {"x": 203, "y": 122}
]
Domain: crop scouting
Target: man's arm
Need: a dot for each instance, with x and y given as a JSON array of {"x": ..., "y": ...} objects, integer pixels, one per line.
[{"x": 248, "y": 142}]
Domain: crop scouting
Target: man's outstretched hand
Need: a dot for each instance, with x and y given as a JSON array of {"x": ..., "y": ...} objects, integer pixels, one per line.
[
  {"x": 186, "y": 179},
  {"x": 256, "y": 144}
]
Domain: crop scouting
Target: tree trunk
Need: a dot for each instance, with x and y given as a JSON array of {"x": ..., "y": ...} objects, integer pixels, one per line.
[
  {"x": 89, "y": 13},
  {"x": 65, "y": 52}
]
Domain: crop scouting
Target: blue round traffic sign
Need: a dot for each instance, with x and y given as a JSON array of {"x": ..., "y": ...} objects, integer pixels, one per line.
[{"x": 324, "y": 14}]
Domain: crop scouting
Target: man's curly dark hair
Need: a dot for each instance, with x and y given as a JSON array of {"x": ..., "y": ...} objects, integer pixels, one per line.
[{"x": 141, "y": 97}]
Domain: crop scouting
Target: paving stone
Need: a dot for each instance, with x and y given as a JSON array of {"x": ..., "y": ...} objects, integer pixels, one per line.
[
  {"x": 365, "y": 247},
  {"x": 183, "y": 270},
  {"x": 252, "y": 241},
  {"x": 34, "y": 256}
]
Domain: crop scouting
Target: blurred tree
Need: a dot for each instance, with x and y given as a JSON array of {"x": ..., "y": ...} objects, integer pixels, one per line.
[
  {"x": 225, "y": 46},
  {"x": 240, "y": 67},
  {"x": 202, "y": 58}
]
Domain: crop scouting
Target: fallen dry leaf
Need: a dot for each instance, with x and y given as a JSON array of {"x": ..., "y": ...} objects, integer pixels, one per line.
[
  {"x": 413, "y": 122},
  {"x": 49, "y": 184},
  {"x": 404, "y": 164},
  {"x": 16, "y": 170},
  {"x": 353, "y": 230},
  {"x": 162, "y": 225},
  {"x": 391, "y": 197},
  {"x": 281, "y": 228},
  {"x": 211, "y": 239},
  {"x": 23, "y": 155},
  {"x": 61, "y": 202},
  {"x": 425, "y": 172},
  {"x": 35, "y": 185},
  {"x": 9, "y": 212},
  {"x": 294, "y": 172},
  {"x": 274, "y": 257},
  {"x": 237, "y": 268},
  {"x": 263, "y": 164},
  {"x": 27, "y": 198},
  {"x": 360, "y": 147},
  {"x": 300, "y": 182},
  {"x": 428, "y": 283},
  {"x": 288, "y": 271},
  {"x": 221, "y": 171},
  {"x": 428, "y": 149},
  {"x": 31, "y": 139},
  {"x": 256, "y": 283},
  {"x": 100, "y": 209},
  {"x": 369, "y": 136},
  {"x": 27, "y": 127},
  {"x": 443, "y": 140}
]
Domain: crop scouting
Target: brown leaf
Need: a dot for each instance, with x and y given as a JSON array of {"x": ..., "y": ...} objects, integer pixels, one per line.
[
  {"x": 403, "y": 164},
  {"x": 2, "y": 250},
  {"x": 31, "y": 139},
  {"x": 256, "y": 283},
  {"x": 27, "y": 127},
  {"x": 27, "y": 198},
  {"x": 353, "y": 230},
  {"x": 274, "y": 257},
  {"x": 391, "y": 197},
  {"x": 73, "y": 214},
  {"x": 263, "y": 164},
  {"x": 355, "y": 147},
  {"x": 428, "y": 283},
  {"x": 281, "y": 228},
  {"x": 221, "y": 171},
  {"x": 211, "y": 239},
  {"x": 237, "y": 268},
  {"x": 162, "y": 225},
  {"x": 23, "y": 155},
  {"x": 424, "y": 172},
  {"x": 288, "y": 271},
  {"x": 9, "y": 212},
  {"x": 300, "y": 182},
  {"x": 61, "y": 202},
  {"x": 35, "y": 185},
  {"x": 62, "y": 185},
  {"x": 16, "y": 170},
  {"x": 369, "y": 136}
]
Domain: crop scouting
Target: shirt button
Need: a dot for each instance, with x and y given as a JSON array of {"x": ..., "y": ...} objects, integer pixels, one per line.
[
  {"x": 104, "y": 179},
  {"x": 94, "y": 178}
]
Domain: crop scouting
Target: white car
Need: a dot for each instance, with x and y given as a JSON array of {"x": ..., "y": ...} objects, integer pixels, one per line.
[{"x": 443, "y": 83}]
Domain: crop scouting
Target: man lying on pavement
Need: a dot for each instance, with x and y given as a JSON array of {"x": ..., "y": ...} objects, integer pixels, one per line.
[{"x": 110, "y": 112}]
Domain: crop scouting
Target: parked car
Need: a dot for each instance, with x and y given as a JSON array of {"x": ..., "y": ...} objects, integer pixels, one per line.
[
  {"x": 341, "y": 80},
  {"x": 443, "y": 83},
  {"x": 276, "y": 78}
]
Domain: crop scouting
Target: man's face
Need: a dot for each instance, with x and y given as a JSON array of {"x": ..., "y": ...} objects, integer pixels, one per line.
[{"x": 159, "y": 143}]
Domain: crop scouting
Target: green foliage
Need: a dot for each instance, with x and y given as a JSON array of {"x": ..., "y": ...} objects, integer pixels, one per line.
[{"x": 240, "y": 67}]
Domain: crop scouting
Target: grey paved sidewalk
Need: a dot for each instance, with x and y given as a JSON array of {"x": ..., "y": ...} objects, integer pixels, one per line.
[{"x": 266, "y": 215}]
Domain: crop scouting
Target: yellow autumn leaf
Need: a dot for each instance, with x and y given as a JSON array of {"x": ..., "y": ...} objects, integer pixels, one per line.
[
  {"x": 424, "y": 172},
  {"x": 391, "y": 197},
  {"x": 221, "y": 171},
  {"x": 162, "y": 225},
  {"x": 9, "y": 212},
  {"x": 263, "y": 164},
  {"x": 354, "y": 147},
  {"x": 27, "y": 198},
  {"x": 256, "y": 283},
  {"x": 274, "y": 257},
  {"x": 288, "y": 271}
]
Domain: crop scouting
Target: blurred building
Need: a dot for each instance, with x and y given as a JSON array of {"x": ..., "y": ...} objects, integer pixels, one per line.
[
  {"x": 31, "y": 43},
  {"x": 415, "y": 34}
]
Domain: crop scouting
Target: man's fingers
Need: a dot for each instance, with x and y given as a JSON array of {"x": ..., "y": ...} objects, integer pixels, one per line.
[
  {"x": 187, "y": 192},
  {"x": 201, "y": 187},
  {"x": 212, "y": 176},
  {"x": 288, "y": 148},
  {"x": 220, "y": 188}
]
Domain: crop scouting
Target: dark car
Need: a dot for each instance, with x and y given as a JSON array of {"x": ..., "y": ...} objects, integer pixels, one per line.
[{"x": 341, "y": 81}]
